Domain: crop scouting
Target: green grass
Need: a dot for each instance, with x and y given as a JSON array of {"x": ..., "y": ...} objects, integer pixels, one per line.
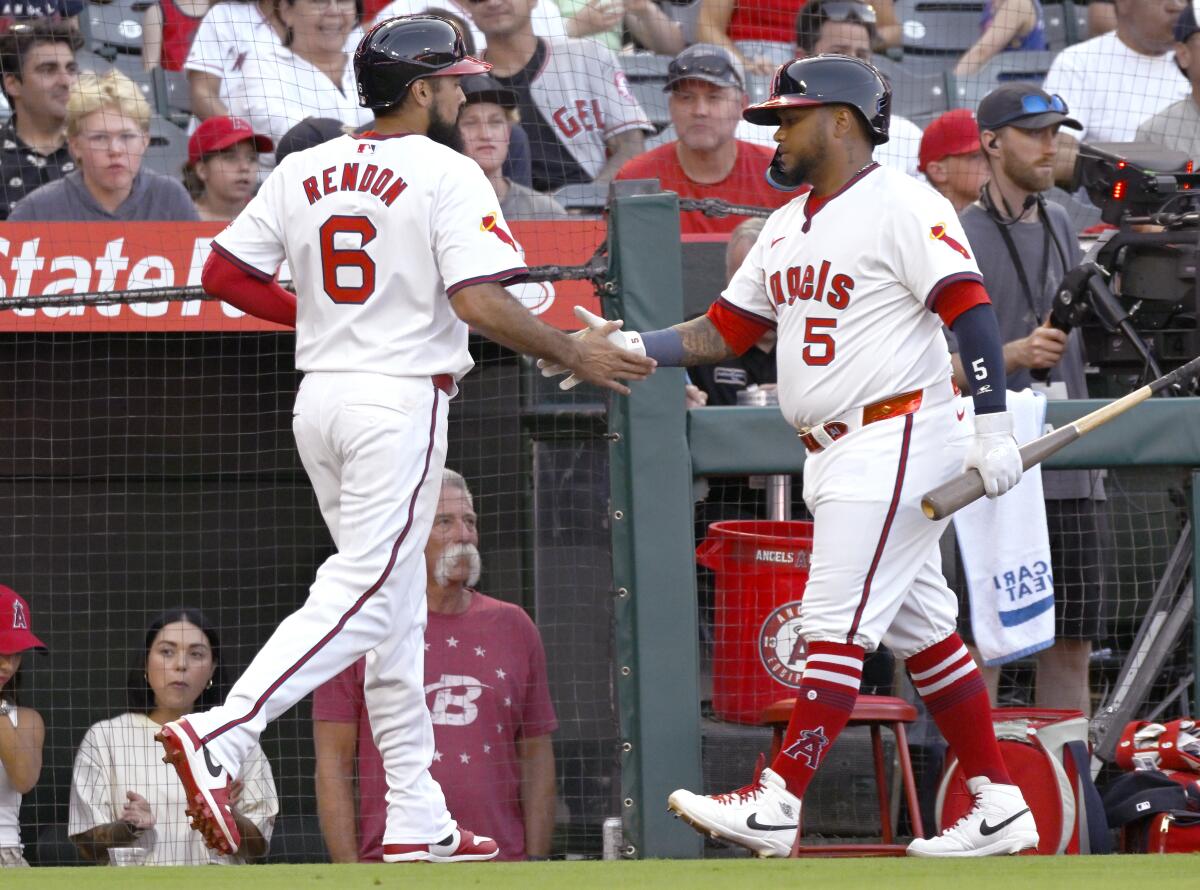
[{"x": 1016, "y": 873}]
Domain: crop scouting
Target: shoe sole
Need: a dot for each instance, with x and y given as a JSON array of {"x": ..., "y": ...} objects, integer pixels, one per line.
[
  {"x": 718, "y": 834},
  {"x": 1008, "y": 847},
  {"x": 439, "y": 860},
  {"x": 201, "y": 807}
]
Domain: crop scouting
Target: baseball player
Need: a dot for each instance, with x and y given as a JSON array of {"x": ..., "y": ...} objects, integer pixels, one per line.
[
  {"x": 396, "y": 243},
  {"x": 857, "y": 277}
]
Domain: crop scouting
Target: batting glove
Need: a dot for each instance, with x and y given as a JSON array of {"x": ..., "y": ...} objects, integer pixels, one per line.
[
  {"x": 627, "y": 340},
  {"x": 994, "y": 453}
]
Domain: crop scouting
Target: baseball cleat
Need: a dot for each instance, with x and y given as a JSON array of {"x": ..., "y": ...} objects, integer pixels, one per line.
[
  {"x": 459, "y": 846},
  {"x": 763, "y": 816},
  {"x": 1000, "y": 823},
  {"x": 206, "y": 784}
]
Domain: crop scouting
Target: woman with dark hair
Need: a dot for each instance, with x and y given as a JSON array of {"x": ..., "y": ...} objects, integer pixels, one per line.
[
  {"x": 124, "y": 796},
  {"x": 22, "y": 731}
]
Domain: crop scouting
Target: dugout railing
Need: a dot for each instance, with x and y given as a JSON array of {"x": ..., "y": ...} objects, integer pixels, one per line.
[{"x": 659, "y": 449}]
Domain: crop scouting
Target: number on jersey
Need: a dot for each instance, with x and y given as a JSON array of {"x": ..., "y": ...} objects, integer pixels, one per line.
[{"x": 338, "y": 263}]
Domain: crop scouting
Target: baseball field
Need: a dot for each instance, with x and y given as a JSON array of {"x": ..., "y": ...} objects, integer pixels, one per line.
[{"x": 1016, "y": 873}]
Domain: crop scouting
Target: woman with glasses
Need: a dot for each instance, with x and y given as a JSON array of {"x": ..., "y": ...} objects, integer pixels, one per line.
[
  {"x": 1008, "y": 25},
  {"x": 108, "y": 132}
]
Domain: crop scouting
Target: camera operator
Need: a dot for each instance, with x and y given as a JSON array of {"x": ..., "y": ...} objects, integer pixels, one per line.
[{"x": 1024, "y": 246}]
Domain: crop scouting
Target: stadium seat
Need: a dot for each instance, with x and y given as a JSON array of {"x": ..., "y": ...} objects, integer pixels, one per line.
[
  {"x": 653, "y": 100},
  {"x": 582, "y": 197},
  {"x": 938, "y": 27},
  {"x": 1077, "y": 21},
  {"x": 1027, "y": 66},
  {"x": 168, "y": 148},
  {"x": 917, "y": 94},
  {"x": 644, "y": 66},
  {"x": 876, "y": 712},
  {"x": 117, "y": 25},
  {"x": 687, "y": 13},
  {"x": 172, "y": 96},
  {"x": 1054, "y": 17}
]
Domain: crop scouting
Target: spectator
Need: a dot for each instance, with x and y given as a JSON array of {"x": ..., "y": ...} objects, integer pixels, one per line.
[
  {"x": 547, "y": 18},
  {"x": 22, "y": 731},
  {"x": 123, "y": 795},
  {"x": 850, "y": 28},
  {"x": 26, "y": 12},
  {"x": 1024, "y": 246},
  {"x": 309, "y": 132},
  {"x": 1178, "y": 126},
  {"x": 707, "y": 88},
  {"x": 493, "y": 758},
  {"x": 1116, "y": 81},
  {"x": 221, "y": 172},
  {"x": 108, "y": 130},
  {"x": 485, "y": 125},
  {"x": 38, "y": 65},
  {"x": 1007, "y": 25},
  {"x": 310, "y": 74},
  {"x": 602, "y": 20},
  {"x": 582, "y": 121},
  {"x": 167, "y": 31},
  {"x": 231, "y": 32},
  {"x": 952, "y": 159}
]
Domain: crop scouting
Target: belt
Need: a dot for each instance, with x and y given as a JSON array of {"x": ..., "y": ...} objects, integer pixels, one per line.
[
  {"x": 818, "y": 438},
  {"x": 444, "y": 382}
]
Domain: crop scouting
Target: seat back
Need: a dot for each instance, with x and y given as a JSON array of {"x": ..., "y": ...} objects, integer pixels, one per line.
[{"x": 939, "y": 27}]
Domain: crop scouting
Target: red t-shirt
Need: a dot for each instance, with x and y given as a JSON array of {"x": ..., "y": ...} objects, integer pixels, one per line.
[
  {"x": 485, "y": 685},
  {"x": 178, "y": 30},
  {"x": 745, "y": 184},
  {"x": 773, "y": 20}
]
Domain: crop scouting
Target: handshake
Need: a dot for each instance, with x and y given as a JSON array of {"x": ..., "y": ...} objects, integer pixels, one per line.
[{"x": 626, "y": 341}]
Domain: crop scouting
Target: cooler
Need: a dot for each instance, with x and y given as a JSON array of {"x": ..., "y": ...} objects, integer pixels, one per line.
[{"x": 758, "y": 655}]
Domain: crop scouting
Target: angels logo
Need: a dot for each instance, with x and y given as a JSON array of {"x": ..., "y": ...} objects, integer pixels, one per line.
[
  {"x": 488, "y": 224},
  {"x": 809, "y": 745},
  {"x": 780, "y": 646},
  {"x": 938, "y": 233},
  {"x": 622, "y": 84},
  {"x": 19, "y": 618}
]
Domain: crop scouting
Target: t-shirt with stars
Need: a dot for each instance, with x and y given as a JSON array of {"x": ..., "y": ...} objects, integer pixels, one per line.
[
  {"x": 22, "y": 169},
  {"x": 485, "y": 686}
]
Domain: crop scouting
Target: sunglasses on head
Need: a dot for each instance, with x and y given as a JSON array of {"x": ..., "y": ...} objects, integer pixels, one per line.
[
  {"x": 847, "y": 11},
  {"x": 1035, "y": 104},
  {"x": 705, "y": 67}
]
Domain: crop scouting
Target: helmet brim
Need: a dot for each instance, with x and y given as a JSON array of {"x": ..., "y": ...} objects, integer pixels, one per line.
[
  {"x": 766, "y": 114},
  {"x": 464, "y": 66}
]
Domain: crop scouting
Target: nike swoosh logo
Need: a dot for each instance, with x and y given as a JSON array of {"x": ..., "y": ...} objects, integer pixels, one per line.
[
  {"x": 777, "y": 240},
  {"x": 986, "y": 829},
  {"x": 213, "y": 768},
  {"x": 753, "y": 824}
]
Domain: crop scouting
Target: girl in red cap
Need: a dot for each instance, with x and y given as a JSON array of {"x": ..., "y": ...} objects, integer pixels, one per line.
[{"x": 22, "y": 731}]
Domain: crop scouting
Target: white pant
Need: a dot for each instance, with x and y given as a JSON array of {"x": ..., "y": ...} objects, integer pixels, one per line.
[
  {"x": 374, "y": 448},
  {"x": 876, "y": 572}
]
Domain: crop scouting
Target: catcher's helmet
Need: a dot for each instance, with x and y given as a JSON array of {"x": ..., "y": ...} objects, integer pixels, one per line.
[
  {"x": 828, "y": 79},
  {"x": 398, "y": 51}
]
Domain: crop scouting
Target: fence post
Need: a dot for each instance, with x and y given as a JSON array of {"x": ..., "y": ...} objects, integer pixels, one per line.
[{"x": 658, "y": 655}]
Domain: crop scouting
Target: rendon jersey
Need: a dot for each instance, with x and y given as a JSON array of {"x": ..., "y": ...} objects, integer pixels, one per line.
[
  {"x": 378, "y": 233},
  {"x": 851, "y": 288}
]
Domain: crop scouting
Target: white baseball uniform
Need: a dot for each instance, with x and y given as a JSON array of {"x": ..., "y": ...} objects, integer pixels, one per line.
[
  {"x": 850, "y": 290},
  {"x": 379, "y": 232}
]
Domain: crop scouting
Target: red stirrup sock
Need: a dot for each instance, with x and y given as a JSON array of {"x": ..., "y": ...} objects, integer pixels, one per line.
[
  {"x": 953, "y": 690},
  {"x": 828, "y": 690}
]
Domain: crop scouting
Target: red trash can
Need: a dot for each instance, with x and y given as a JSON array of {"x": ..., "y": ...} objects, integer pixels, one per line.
[{"x": 758, "y": 654}]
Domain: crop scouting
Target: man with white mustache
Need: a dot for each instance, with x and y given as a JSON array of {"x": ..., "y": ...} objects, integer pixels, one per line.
[{"x": 485, "y": 686}]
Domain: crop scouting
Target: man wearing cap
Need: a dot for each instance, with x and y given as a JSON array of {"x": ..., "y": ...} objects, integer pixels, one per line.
[
  {"x": 1178, "y": 126},
  {"x": 22, "y": 731},
  {"x": 221, "y": 172},
  {"x": 951, "y": 158},
  {"x": 1116, "y": 81},
  {"x": 707, "y": 91},
  {"x": 1024, "y": 246}
]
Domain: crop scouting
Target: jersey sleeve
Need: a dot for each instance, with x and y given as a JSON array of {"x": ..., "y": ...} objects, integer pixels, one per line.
[
  {"x": 930, "y": 249},
  {"x": 91, "y": 786},
  {"x": 622, "y": 111},
  {"x": 747, "y": 294},
  {"x": 204, "y": 55},
  {"x": 254, "y": 240},
  {"x": 472, "y": 242}
]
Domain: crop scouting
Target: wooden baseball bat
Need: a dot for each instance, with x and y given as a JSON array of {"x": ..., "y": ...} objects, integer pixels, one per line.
[{"x": 967, "y": 488}]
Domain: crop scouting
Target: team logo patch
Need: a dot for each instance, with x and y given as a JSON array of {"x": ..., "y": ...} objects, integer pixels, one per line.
[
  {"x": 622, "y": 85},
  {"x": 810, "y": 745},
  {"x": 780, "y": 646},
  {"x": 488, "y": 224},
  {"x": 938, "y": 233},
  {"x": 19, "y": 618}
]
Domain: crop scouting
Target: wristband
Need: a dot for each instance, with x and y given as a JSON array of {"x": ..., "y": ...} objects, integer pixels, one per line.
[{"x": 665, "y": 347}]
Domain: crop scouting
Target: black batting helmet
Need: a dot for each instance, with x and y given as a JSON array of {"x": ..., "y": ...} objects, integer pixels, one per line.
[
  {"x": 828, "y": 79},
  {"x": 398, "y": 51}
]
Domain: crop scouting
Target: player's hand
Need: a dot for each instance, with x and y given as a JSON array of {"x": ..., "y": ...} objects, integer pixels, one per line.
[
  {"x": 1043, "y": 348},
  {"x": 598, "y": 360},
  {"x": 694, "y": 396},
  {"x": 597, "y": 327},
  {"x": 596, "y": 16},
  {"x": 994, "y": 453},
  {"x": 137, "y": 813}
]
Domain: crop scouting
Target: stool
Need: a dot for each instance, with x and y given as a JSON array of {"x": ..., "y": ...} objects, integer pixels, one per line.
[{"x": 874, "y": 711}]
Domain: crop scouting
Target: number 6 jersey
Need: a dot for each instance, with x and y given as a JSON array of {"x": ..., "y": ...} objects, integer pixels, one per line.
[{"x": 378, "y": 232}]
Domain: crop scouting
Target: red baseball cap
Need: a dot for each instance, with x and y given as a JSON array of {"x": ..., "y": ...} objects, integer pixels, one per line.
[
  {"x": 954, "y": 133},
  {"x": 15, "y": 635},
  {"x": 219, "y": 133}
]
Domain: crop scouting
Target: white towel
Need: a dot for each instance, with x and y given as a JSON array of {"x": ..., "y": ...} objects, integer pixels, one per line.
[{"x": 1006, "y": 553}]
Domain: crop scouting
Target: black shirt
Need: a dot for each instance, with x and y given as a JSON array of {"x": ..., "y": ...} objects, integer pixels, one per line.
[
  {"x": 552, "y": 164},
  {"x": 724, "y": 380},
  {"x": 22, "y": 169}
]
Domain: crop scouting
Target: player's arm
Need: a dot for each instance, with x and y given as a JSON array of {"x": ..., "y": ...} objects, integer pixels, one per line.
[
  {"x": 205, "y": 91},
  {"x": 335, "y": 745},
  {"x": 537, "y": 793},
  {"x": 490, "y": 309},
  {"x": 254, "y": 846},
  {"x": 247, "y": 288}
]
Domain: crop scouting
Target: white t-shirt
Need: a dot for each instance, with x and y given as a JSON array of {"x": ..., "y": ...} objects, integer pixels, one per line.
[
  {"x": 10, "y": 803},
  {"x": 280, "y": 89},
  {"x": 378, "y": 232},
  {"x": 120, "y": 755},
  {"x": 850, "y": 292},
  {"x": 546, "y": 18},
  {"x": 900, "y": 152},
  {"x": 1111, "y": 89}
]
